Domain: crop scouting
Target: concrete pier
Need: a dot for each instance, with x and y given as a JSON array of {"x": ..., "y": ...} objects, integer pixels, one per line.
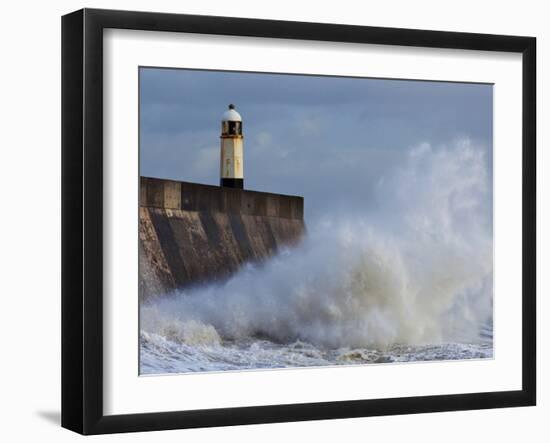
[{"x": 192, "y": 233}]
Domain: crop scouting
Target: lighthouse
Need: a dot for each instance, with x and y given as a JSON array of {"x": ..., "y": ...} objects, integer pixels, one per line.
[{"x": 231, "y": 153}]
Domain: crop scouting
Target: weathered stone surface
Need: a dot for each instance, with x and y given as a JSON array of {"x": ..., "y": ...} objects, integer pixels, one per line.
[
  {"x": 155, "y": 276},
  {"x": 191, "y": 234},
  {"x": 159, "y": 193}
]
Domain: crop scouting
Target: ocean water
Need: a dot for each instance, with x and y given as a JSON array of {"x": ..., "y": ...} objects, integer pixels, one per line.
[
  {"x": 411, "y": 280},
  {"x": 160, "y": 355}
]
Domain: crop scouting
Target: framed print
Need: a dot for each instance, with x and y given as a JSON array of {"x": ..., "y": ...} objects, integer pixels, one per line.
[{"x": 269, "y": 221}]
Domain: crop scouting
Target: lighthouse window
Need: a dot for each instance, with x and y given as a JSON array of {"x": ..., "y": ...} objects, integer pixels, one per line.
[{"x": 234, "y": 128}]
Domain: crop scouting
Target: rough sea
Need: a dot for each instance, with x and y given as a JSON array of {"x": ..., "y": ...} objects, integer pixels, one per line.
[
  {"x": 409, "y": 281},
  {"x": 160, "y": 355}
]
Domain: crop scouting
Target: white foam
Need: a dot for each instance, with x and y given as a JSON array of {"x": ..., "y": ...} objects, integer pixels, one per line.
[{"x": 417, "y": 271}]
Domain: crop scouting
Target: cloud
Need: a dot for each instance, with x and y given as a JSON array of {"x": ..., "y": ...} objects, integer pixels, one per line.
[
  {"x": 328, "y": 139},
  {"x": 206, "y": 162}
]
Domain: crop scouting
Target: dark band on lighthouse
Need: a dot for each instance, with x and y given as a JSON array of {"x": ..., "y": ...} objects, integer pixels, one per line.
[{"x": 231, "y": 150}]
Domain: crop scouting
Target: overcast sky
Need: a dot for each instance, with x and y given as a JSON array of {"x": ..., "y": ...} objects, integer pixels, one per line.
[{"x": 329, "y": 139}]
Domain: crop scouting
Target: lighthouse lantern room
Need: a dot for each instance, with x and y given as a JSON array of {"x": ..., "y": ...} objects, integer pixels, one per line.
[{"x": 231, "y": 155}]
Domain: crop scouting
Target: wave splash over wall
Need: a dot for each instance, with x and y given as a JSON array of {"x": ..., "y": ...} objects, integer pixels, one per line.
[{"x": 415, "y": 270}]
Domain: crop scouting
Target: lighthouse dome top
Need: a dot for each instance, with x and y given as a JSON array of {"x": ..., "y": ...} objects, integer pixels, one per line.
[{"x": 231, "y": 115}]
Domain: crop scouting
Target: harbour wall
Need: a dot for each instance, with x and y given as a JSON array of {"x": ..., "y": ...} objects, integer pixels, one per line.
[{"x": 191, "y": 234}]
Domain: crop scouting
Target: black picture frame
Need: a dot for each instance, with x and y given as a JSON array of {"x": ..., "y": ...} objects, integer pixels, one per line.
[{"x": 82, "y": 215}]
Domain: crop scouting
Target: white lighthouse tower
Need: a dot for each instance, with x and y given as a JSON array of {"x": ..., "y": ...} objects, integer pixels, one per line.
[{"x": 231, "y": 155}]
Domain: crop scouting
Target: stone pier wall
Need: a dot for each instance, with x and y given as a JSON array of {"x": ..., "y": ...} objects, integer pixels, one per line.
[{"x": 191, "y": 234}]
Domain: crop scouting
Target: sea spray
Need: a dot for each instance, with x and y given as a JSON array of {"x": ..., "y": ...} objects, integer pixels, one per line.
[{"x": 415, "y": 271}]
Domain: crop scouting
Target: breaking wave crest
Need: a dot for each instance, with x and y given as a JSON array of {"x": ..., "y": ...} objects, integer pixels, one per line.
[{"x": 417, "y": 270}]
